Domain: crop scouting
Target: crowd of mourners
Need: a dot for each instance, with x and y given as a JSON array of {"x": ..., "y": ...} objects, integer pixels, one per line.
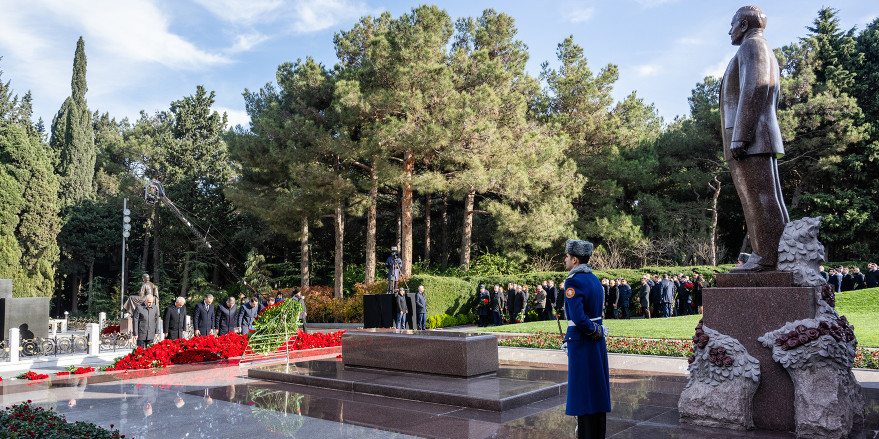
[{"x": 666, "y": 295}]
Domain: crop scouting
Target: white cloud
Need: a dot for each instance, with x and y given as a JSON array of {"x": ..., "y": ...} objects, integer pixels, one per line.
[
  {"x": 235, "y": 117},
  {"x": 136, "y": 32},
  {"x": 647, "y": 69},
  {"x": 245, "y": 42},
  {"x": 244, "y": 12},
  {"x": 313, "y": 16},
  {"x": 581, "y": 15},
  {"x": 25, "y": 50},
  {"x": 716, "y": 70}
]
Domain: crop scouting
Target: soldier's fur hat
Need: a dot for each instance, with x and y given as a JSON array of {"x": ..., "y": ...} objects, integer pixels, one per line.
[{"x": 579, "y": 248}]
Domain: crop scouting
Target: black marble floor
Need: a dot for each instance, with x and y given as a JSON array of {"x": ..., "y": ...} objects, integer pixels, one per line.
[{"x": 644, "y": 406}]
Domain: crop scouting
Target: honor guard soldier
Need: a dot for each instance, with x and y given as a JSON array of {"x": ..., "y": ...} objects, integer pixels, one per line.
[{"x": 588, "y": 375}]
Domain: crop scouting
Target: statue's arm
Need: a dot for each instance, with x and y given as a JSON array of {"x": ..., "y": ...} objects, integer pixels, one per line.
[{"x": 754, "y": 80}]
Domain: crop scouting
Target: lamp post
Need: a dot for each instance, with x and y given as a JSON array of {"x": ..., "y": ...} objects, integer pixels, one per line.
[{"x": 126, "y": 232}]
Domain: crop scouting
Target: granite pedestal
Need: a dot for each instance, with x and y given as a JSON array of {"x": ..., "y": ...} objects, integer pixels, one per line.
[
  {"x": 435, "y": 352},
  {"x": 29, "y": 314},
  {"x": 747, "y": 305}
]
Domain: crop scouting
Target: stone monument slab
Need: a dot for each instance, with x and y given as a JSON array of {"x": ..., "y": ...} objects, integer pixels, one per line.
[
  {"x": 746, "y": 313},
  {"x": 434, "y": 352}
]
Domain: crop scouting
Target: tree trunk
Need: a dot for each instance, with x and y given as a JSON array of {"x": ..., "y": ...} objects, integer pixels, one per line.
[
  {"x": 91, "y": 286},
  {"x": 444, "y": 223},
  {"x": 339, "y": 222},
  {"x": 406, "y": 213},
  {"x": 146, "y": 241},
  {"x": 303, "y": 259},
  {"x": 714, "y": 215},
  {"x": 215, "y": 276},
  {"x": 467, "y": 229},
  {"x": 184, "y": 282},
  {"x": 427, "y": 231},
  {"x": 369, "y": 277},
  {"x": 157, "y": 264},
  {"x": 397, "y": 216},
  {"x": 75, "y": 288}
]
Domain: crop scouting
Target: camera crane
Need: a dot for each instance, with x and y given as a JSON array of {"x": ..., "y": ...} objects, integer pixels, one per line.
[{"x": 154, "y": 192}]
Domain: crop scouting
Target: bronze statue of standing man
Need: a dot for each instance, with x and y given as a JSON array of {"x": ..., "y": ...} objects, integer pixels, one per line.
[{"x": 751, "y": 136}]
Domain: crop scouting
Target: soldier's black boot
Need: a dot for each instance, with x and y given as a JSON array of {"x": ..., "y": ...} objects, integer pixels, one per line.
[{"x": 592, "y": 426}]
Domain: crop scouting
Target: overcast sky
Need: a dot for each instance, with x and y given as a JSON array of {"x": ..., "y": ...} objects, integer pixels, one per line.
[{"x": 143, "y": 54}]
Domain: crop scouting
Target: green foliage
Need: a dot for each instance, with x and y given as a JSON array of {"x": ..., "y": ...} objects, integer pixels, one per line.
[
  {"x": 30, "y": 253},
  {"x": 274, "y": 326},
  {"x": 26, "y": 420},
  {"x": 73, "y": 138},
  {"x": 445, "y": 295},
  {"x": 256, "y": 274}
]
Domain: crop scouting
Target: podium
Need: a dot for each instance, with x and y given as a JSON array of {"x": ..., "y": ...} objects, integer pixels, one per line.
[{"x": 380, "y": 310}]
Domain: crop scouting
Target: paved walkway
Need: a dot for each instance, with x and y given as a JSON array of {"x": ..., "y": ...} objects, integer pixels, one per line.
[{"x": 218, "y": 400}]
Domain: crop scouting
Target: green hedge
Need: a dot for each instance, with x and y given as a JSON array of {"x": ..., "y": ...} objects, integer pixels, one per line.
[{"x": 445, "y": 295}]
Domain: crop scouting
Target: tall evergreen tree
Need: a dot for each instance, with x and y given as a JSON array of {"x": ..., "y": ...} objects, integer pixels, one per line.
[
  {"x": 73, "y": 138},
  {"x": 29, "y": 221}
]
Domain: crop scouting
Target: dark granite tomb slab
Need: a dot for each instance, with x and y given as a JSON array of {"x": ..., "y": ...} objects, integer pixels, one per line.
[
  {"x": 29, "y": 314},
  {"x": 509, "y": 388},
  {"x": 434, "y": 352},
  {"x": 747, "y": 305}
]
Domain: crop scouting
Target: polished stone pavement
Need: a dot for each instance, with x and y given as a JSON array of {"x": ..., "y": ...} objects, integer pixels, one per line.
[{"x": 219, "y": 401}]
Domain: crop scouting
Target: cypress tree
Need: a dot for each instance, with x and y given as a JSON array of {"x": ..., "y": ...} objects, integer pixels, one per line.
[{"x": 73, "y": 138}]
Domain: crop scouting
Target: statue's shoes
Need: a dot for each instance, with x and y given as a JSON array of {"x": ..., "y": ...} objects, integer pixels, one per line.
[{"x": 754, "y": 264}]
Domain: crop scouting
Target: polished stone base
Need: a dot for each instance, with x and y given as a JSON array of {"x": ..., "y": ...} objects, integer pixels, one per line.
[
  {"x": 509, "y": 388},
  {"x": 458, "y": 354},
  {"x": 747, "y": 305}
]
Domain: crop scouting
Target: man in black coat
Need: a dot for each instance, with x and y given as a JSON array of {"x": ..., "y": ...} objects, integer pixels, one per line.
[
  {"x": 611, "y": 300},
  {"x": 247, "y": 313},
  {"x": 401, "y": 308},
  {"x": 625, "y": 297},
  {"x": 551, "y": 302},
  {"x": 560, "y": 300},
  {"x": 871, "y": 278},
  {"x": 174, "y": 320},
  {"x": 511, "y": 301},
  {"x": 226, "y": 317},
  {"x": 684, "y": 296},
  {"x": 145, "y": 322},
  {"x": 656, "y": 297},
  {"x": 203, "y": 316},
  {"x": 421, "y": 309},
  {"x": 483, "y": 305},
  {"x": 848, "y": 281},
  {"x": 858, "y": 281}
]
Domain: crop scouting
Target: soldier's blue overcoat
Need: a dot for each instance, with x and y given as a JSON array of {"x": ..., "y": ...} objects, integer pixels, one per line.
[{"x": 588, "y": 375}]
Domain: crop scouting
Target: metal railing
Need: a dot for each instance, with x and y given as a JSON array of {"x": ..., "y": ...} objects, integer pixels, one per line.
[{"x": 54, "y": 346}]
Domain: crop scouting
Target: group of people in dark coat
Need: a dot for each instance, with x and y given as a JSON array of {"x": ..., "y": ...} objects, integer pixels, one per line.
[
  {"x": 671, "y": 296},
  {"x": 517, "y": 301},
  {"x": 401, "y": 308},
  {"x": 850, "y": 278},
  {"x": 207, "y": 319}
]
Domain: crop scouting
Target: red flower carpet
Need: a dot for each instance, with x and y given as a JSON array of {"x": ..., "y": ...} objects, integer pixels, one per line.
[{"x": 209, "y": 348}]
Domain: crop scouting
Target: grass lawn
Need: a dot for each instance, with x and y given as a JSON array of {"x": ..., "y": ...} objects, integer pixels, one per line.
[{"x": 860, "y": 307}]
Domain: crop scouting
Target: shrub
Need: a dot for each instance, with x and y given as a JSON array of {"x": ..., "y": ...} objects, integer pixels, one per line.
[
  {"x": 323, "y": 307},
  {"x": 28, "y": 421},
  {"x": 445, "y": 295}
]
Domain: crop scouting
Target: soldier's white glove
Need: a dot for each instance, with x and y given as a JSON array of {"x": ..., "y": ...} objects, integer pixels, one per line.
[{"x": 565, "y": 348}]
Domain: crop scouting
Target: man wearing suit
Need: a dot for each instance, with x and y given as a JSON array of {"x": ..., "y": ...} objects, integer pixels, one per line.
[
  {"x": 835, "y": 280},
  {"x": 226, "y": 318},
  {"x": 145, "y": 324},
  {"x": 511, "y": 301},
  {"x": 751, "y": 136},
  {"x": 421, "y": 309},
  {"x": 668, "y": 296},
  {"x": 174, "y": 321},
  {"x": 203, "y": 316}
]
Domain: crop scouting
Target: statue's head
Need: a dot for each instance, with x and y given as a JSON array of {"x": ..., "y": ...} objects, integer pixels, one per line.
[
  {"x": 145, "y": 277},
  {"x": 747, "y": 18}
]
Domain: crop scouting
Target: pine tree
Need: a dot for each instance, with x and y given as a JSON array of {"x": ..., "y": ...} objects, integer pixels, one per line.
[{"x": 73, "y": 138}]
